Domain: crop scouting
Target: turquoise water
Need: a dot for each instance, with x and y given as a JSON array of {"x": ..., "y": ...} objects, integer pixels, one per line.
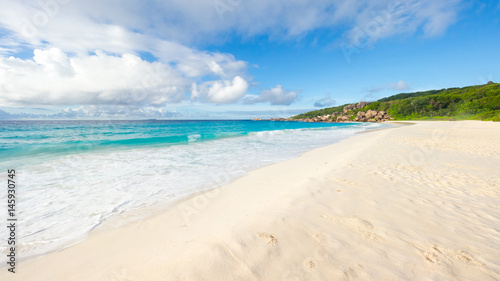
[
  {"x": 73, "y": 175},
  {"x": 45, "y": 138}
]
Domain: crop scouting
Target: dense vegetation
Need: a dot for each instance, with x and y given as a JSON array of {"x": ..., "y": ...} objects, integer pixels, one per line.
[
  {"x": 475, "y": 102},
  {"x": 320, "y": 112}
]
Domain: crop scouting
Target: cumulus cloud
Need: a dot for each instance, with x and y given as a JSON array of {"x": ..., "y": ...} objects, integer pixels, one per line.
[
  {"x": 52, "y": 78},
  {"x": 324, "y": 102},
  {"x": 275, "y": 96},
  {"x": 83, "y": 55},
  {"x": 220, "y": 92}
]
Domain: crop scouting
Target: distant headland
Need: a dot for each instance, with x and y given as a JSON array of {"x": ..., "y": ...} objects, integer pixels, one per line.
[{"x": 481, "y": 102}]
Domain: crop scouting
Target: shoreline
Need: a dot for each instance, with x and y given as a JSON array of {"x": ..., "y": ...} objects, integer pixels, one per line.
[
  {"x": 146, "y": 211},
  {"x": 279, "y": 210}
]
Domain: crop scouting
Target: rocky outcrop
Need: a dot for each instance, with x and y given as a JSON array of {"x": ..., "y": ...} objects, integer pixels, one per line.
[
  {"x": 489, "y": 83},
  {"x": 368, "y": 116},
  {"x": 346, "y": 116},
  {"x": 354, "y": 106},
  {"x": 381, "y": 115},
  {"x": 343, "y": 118},
  {"x": 372, "y": 116},
  {"x": 325, "y": 118}
]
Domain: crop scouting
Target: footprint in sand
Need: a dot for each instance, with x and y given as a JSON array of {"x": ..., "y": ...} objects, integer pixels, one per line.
[
  {"x": 271, "y": 238},
  {"x": 437, "y": 254},
  {"x": 432, "y": 258},
  {"x": 357, "y": 226},
  {"x": 467, "y": 258},
  {"x": 310, "y": 264},
  {"x": 319, "y": 237}
]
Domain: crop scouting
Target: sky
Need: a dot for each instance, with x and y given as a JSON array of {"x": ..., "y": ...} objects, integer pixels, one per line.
[{"x": 234, "y": 59}]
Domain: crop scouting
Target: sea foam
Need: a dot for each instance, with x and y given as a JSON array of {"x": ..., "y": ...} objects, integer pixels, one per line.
[{"x": 63, "y": 196}]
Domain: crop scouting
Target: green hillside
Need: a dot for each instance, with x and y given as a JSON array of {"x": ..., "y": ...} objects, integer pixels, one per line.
[
  {"x": 320, "y": 112},
  {"x": 469, "y": 103}
]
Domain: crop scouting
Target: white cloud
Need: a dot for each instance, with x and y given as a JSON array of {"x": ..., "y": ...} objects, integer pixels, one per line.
[
  {"x": 114, "y": 112},
  {"x": 68, "y": 75},
  {"x": 52, "y": 78},
  {"x": 275, "y": 96},
  {"x": 95, "y": 112},
  {"x": 54, "y": 60},
  {"x": 83, "y": 25},
  {"x": 220, "y": 92},
  {"x": 226, "y": 91},
  {"x": 374, "y": 20},
  {"x": 202, "y": 20}
]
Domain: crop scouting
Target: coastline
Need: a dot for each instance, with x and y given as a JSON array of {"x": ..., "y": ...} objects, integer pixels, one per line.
[
  {"x": 104, "y": 181},
  {"x": 318, "y": 216}
]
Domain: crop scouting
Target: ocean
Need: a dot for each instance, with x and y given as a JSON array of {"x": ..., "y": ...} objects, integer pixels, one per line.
[{"x": 71, "y": 176}]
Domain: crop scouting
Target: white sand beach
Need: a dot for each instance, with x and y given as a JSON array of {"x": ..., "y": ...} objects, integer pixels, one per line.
[{"x": 419, "y": 202}]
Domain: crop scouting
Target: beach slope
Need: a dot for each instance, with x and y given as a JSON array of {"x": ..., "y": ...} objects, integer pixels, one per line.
[{"x": 419, "y": 202}]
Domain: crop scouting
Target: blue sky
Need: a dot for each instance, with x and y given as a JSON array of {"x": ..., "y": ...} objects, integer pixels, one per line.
[{"x": 233, "y": 58}]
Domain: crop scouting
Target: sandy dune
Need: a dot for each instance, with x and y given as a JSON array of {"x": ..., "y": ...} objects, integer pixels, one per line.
[{"x": 417, "y": 202}]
